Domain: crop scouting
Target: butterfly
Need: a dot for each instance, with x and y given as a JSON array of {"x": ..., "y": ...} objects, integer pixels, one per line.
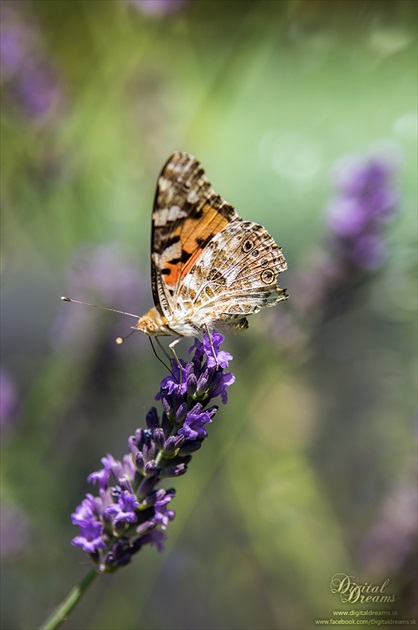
[{"x": 210, "y": 269}]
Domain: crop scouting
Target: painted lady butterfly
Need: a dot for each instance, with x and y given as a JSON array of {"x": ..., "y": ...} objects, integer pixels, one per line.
[{"x": 209, "y": 268}]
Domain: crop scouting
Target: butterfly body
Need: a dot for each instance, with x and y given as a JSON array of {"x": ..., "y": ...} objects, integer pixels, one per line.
[{"x": 209, "y": 268}]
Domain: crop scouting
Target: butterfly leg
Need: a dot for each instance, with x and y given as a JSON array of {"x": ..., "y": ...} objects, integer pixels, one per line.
[
  {"x": 171, "y": 346},
  {"x": 211, "y": 345}
]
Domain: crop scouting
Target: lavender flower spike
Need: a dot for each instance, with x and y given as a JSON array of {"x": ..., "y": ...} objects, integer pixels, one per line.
[
  {"x": 130, "y": 510},
  {"x": 365, "y": 200}
]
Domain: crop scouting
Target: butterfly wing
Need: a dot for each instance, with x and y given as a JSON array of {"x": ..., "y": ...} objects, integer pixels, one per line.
[
  {"x": 241, "y": 264},
  {"x": 187, "y": 215}
]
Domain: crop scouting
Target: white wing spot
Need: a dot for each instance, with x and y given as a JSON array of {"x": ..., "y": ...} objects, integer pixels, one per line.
[
  {"x": 164, "y": 183},
  {"x": 174, "y": 251},
  {"x": 192, "y": 197},
  {"x": 162, "y": 216}
]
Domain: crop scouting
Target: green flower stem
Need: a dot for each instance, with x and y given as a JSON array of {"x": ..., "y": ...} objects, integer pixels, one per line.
[{"x": 64, "y": 609}]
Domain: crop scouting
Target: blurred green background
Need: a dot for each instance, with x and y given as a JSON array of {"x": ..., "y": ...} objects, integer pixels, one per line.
[{"x": 310, "y": 470}]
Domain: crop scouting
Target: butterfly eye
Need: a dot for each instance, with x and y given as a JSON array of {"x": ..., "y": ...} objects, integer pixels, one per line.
[
  {"x": 267, "y": 276},
  {"x": 247, "y": 245}
]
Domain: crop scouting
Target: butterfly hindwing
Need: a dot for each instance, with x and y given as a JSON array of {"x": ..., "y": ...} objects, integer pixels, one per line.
[{"x": 241, "y": 264}]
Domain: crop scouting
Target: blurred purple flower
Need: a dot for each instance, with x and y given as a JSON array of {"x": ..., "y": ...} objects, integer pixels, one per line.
[
  {"x": 392, "y": 539},
  {"x": 37, "y": 88},
  {"x": 130, "y": 511},
  {"x": 365, "y": 199},
  {"x": 31, "y": 81},
  {"x": 359, "y": 177},
  {"x": 15, "y": 36},
  {"x": 8, "y": 398},
  {"x": 157, "y": 7}
]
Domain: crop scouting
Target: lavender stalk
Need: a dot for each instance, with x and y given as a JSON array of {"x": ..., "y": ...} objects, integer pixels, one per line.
[{"x": 130, "y": 510}]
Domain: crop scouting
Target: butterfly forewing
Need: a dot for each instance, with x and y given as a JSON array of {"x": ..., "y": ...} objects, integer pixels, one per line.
[{"x": 187, "y": 214}]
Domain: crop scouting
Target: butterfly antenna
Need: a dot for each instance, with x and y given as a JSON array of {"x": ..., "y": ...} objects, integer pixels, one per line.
[
  {"x": 102, "y": 308},
  {"x": 120, "y": 340}
]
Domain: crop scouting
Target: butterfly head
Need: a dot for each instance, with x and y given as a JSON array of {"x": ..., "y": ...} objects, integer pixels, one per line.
[{"x": 152, "y": 323}]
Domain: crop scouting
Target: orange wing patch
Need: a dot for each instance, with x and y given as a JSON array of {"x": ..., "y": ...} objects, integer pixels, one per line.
[
  {"x": 195, "y": 240},
  {"x": 187, "y": 242}
]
